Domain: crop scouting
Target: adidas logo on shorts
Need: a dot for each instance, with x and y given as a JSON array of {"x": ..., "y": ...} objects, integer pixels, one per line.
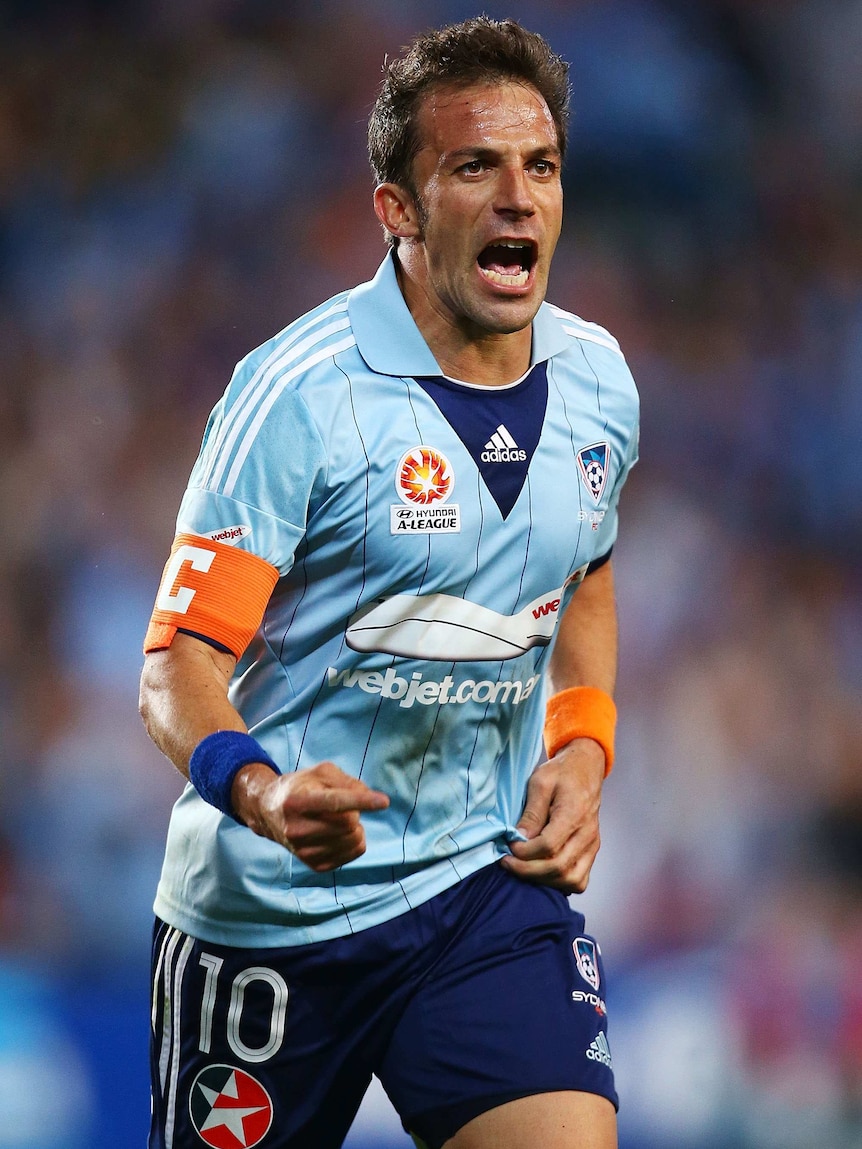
[
  {"x": 600, "y": 1051},
  {"x": 502, "y": 448}
]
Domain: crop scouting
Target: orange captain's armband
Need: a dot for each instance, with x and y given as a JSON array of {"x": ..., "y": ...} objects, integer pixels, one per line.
[
  {"x": 581, "y": 712},
  {"x": 211, "y": 589}
]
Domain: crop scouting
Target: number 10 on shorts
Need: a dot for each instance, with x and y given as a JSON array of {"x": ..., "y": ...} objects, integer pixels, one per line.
[{"x": 238, "y": 988}]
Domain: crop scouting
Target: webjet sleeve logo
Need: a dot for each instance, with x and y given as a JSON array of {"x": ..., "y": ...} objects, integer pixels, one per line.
[
  {"x": 444, "y": 628},
  {"x": 424, "y": 481},
  {"x": 593, "y": 465},
  {"x": 230, "y": 535}
]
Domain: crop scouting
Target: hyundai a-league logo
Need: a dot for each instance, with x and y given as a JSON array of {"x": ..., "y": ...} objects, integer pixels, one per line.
[
  {"x": 229, "y": 1108},
  {"x": 587, "y": 959},
  {"x": 593, "y": 465},
  {"x": 424, "y": 475}
]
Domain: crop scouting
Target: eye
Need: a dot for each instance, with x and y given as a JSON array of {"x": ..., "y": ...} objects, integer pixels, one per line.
[
  {"x": 544, "y": 167},
  {"x": 472, "y": 167}
]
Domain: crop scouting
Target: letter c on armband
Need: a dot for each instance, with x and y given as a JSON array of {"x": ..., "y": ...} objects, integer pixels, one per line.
[{"x": 199, "y": 560}]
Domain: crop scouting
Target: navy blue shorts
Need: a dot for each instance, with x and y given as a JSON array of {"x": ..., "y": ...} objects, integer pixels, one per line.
[{"x": 488, "y": 992}]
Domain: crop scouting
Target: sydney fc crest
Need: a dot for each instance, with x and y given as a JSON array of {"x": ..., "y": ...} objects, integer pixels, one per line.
[
  {"x": 593, "y": 465},
  {"x": 586, "y": 956}
]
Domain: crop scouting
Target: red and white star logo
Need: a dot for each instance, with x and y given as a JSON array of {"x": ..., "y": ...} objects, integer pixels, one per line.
[{"x": 229, "y": 1108}]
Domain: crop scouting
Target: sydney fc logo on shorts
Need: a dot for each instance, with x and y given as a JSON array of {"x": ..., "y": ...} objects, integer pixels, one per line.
[
  {"x": 424, "y": 481},
  {"x": 587, "y": 958},
  {"x": 229, "y": 1108},
  {"x": 593, "y": 465}
]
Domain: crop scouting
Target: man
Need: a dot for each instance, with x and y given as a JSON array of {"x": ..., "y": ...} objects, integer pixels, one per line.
[{"x": 395, "y": 541}]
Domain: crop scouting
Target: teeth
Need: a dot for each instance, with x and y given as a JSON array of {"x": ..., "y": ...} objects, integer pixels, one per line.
[{"x": 518, "y": 280}]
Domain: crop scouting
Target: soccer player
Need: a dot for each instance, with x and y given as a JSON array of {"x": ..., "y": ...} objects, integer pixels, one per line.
[{"x": 391, "y": 580}]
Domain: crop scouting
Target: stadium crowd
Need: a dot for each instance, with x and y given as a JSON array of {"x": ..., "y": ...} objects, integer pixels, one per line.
[{"x": 177, "y": 182}]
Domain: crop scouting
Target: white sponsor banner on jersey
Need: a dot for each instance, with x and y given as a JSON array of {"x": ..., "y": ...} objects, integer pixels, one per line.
[{"x": 446, "y": 628}]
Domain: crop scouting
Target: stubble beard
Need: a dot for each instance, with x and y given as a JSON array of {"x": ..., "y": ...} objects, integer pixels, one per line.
[{"x": 483, "y": 322}]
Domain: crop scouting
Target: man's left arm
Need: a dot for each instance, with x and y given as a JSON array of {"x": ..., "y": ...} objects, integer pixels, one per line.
[{"x": 561, "y": 815}]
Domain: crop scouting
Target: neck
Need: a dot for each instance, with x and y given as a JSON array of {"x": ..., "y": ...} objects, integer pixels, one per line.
[{"x": 463, "y": 350}]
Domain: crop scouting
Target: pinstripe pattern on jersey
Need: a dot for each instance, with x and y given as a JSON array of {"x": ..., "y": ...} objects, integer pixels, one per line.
[
  {"x": 595, "y": 376},
  {"x": 323, "y": 512},
  {"x": 415, "y": 394},
  {"x": 310, "y": 711},
  {"x": 567, "y": 416},
  {"x": 528, "y": 490},
  {"x": 288, "y": 358},
  {"x": 364, "y": 534},
  {"x": 357, "y": 425}
]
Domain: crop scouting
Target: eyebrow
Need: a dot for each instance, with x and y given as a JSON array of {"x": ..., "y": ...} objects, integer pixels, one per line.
[{"x": 481, "y": 153}]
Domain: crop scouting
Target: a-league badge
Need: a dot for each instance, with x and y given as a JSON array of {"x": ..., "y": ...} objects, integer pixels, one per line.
[
  {"x": 587, "y": 959},
  {"x": 424, "y": 480},
  {"x": 229, "y": 1108},
  {"x": 593, "y": 465}
]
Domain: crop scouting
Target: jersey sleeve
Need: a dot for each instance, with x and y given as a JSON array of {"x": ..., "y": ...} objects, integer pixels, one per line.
[
  {"x": 625, "y": 445},
  {"x": 241, "y": 518},
  {"x": 211, "y": 590}
]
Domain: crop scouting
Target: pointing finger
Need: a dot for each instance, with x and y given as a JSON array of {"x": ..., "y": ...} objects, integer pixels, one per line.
[{"x": 337, "y": 800}]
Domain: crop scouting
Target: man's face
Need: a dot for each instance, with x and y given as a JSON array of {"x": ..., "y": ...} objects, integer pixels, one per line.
[{"x": 487, "y": 180}]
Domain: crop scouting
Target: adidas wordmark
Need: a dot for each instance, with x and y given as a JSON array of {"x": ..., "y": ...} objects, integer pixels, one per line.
[
  {"x": 600, "y": 1051},
  {"x": 502, "y": 448}
]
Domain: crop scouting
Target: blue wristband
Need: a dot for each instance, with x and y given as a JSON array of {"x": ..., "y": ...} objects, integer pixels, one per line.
[{"x": 216, "y": 761}]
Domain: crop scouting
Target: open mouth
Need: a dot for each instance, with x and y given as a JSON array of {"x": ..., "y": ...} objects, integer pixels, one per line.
[{"x": 508, "y": 263}]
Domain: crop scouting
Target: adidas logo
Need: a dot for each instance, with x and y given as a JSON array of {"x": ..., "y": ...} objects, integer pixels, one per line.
[
  {"x": 600, "y": 1051},
  {"x": 502, "y": 448}
]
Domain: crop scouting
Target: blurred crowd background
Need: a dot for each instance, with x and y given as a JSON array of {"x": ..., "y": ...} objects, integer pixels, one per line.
[{"x": 179, "y": 180}]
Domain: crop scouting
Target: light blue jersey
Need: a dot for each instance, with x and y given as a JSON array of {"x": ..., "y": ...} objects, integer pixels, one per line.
[{"x": 428, "y": 534}]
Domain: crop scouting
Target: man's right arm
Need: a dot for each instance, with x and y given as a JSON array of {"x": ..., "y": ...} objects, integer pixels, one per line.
[
  {"x": 184, "y": 697},
  {"x": 314, "y": 813}
]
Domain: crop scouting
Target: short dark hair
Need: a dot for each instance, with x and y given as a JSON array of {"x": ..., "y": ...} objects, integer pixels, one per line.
[{"x": 476, "y": 51}]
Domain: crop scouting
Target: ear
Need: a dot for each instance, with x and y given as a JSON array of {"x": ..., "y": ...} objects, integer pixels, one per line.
[{"x": 395, "y": 208}]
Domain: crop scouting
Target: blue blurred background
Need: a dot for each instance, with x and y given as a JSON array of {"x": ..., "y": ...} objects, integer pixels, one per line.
[{"x": 177, "y": 182}]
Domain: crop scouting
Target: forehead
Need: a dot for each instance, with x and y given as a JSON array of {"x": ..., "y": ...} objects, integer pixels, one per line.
[{"x": 485, "y": 115}]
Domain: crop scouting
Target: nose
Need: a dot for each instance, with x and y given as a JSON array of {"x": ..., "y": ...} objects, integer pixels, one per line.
[{"x": 514, "y": 192}]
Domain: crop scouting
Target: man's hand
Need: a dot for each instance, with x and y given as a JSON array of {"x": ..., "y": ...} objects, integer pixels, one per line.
[
  {"x": 561, "y": 819},
  {"x": 313, "y": 813}
]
